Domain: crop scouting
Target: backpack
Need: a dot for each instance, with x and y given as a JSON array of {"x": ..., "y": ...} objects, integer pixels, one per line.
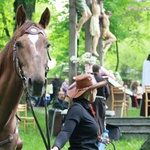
[{"x": 114, "y": 132}]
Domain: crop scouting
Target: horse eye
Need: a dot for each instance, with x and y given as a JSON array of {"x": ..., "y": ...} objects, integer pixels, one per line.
[
  {"x": 48, "y": 45},
  {"x": 19, "y": 44}
]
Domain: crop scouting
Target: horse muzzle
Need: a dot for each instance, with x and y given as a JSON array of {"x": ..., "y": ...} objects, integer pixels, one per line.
[{"x": 35, "y": 86}]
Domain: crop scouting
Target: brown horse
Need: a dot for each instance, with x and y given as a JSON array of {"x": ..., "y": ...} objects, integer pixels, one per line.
[{"x": 23, "y": 66}]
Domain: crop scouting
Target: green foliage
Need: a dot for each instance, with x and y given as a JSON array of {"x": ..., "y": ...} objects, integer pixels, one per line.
[
  {"x": 7, "y": 22},
  {"x": 129, "y": 23},
  {"x": 60, "y": 37}
]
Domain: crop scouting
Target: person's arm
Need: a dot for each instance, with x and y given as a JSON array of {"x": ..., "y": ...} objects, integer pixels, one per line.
[
  {"x": 65, "y": 104},
  {"x": 72, "y": 119},
  {"x": 57, "y": 105},
  {"x": 62, "y": 86},
  {"x": 107, "y": 91}
]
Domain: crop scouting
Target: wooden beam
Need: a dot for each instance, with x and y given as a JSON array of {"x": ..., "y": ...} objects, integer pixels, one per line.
[
  {"x": 88, "y": 37},
  {"x": 72, "y": 39},
  {"x": 100, "y": 47}
]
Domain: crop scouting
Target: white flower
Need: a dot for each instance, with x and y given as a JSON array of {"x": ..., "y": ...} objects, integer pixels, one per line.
[
  {"x": 92, "y": 60},
  {"x": 74, "y": 59},
  {"x": 86, "y": 55},
  {"x": 86, "y": 58}
]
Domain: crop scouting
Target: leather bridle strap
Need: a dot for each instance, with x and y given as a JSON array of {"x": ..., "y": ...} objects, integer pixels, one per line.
[
  {"x": 34, "y": 30},
  {"x": 31, "y": 30},
  {"x": 47, "y": 123},
  {"x": 8, "y": 140},
  {"x": 46, "y": 143}
]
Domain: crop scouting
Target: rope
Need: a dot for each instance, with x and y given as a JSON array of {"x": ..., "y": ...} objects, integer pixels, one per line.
[{"x": 47, "y": 123}]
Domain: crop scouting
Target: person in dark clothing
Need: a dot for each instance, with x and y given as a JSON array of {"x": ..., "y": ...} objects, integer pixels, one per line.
[
  {"x": 56, "y": 87},
  {"x": 60, "y": 103},
  {"x": 99, "y": 105},
  {"x": 80, "y": 127}
]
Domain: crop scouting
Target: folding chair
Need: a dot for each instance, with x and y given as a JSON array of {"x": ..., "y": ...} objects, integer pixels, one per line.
[
  {"x": 26, "y": 120},
  {"x": 118, "y": 95},
  {"x": 147, "y": 99}
]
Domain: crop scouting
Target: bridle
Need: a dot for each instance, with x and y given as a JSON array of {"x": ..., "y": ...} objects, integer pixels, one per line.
[
  {"x": 33, "y": 30},
  {"x": 18, "y": 68}
]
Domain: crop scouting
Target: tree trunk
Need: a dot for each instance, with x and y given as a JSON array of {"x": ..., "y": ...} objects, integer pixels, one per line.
[
  {"x": 88, "y": 37},
  {"x": 28, "y": 5},
  {"x": 72, "y": 39}
]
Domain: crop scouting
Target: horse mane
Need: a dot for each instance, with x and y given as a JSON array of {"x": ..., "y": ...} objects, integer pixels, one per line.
[{"x": 6, "y": 55}]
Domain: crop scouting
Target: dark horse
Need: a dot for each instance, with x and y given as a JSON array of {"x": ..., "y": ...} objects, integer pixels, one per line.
[{"x": 23, "y": 67}]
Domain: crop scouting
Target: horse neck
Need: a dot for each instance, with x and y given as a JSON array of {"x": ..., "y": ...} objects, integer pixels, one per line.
[{"x": 10, "y": 93}]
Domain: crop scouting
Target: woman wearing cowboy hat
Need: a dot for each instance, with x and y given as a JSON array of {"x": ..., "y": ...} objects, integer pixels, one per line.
[{"x": 80, "y": 127}]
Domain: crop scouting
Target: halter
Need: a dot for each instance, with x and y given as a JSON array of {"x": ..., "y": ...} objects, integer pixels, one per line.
[{"x": 34, "y": 31}]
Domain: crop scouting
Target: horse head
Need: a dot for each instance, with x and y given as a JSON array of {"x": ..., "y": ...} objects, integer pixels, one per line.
[{"x": 30, "y": 52}]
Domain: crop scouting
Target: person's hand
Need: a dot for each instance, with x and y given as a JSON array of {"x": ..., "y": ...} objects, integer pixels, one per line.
[
  {"x": 55, "y": 148},
  {"x": 100, "y": 139}
]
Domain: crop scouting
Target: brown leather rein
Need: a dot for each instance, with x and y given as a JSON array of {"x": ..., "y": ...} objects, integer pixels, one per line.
[{"x": 46, "y": 143}]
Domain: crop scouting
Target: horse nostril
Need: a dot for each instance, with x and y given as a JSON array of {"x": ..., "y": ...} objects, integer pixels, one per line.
[{"x": 30, "y": 82}]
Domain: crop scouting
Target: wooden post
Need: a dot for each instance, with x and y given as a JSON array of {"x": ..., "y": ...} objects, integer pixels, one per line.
[
  {"x": 100, "y": 47},
  {"x": 72, "y": 39},
  {"x": 88, "y": 37}
]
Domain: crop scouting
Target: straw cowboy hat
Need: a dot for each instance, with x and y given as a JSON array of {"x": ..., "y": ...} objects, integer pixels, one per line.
[{"x": 83, "y": 83}]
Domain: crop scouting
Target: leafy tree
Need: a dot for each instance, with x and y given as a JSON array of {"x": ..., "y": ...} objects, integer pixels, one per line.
[
  {"x": 130, "y": 25},
  {"x": 28, "y": 5},
  {"x": 6, "y": 19},
  {"x": 129, "y": 22}
]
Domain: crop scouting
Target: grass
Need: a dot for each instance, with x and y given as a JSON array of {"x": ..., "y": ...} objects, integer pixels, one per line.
[{"x": 32, "y": 139}]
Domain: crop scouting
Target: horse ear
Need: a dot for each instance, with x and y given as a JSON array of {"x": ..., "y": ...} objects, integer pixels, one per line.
[
  {"x": 45, "y": 18},
  {"x": 20, "y": 15}
]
